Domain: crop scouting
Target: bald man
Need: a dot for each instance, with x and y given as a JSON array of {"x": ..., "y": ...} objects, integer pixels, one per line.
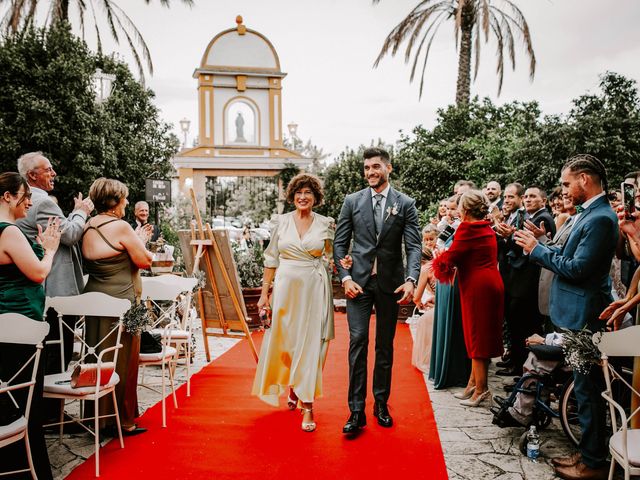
[{"x": 141, "y": 213}]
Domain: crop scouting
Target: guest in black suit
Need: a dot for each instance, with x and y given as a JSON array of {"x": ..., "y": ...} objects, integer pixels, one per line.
[
  {"x": 521, "y": 278},
  {"x": 493, "y": 191},
  {"x": 141, "y": 213}
]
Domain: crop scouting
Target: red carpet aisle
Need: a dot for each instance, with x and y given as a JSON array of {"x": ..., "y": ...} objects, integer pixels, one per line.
[{"x": 221, "y": 432}]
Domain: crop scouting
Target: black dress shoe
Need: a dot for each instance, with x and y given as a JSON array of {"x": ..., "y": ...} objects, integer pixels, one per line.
[
  {"x": 504, "y": 419},
  {"x": 507, "y": 372},
  {"x": 502, "y": 364},
  {"x": 499, "y": 400},
  {"x": 381, "y": 412},
  {"x": 356, "y": 421},
  {"x": 509, "y": 387}
]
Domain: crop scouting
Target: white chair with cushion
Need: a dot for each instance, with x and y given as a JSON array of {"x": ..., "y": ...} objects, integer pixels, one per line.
[
  {"x": 18, "y": 329},
  {"x": 92, "y": 304},
  {"x": 170, "y": 294},
  {"x": 624, "y": 445},
  {"x": 165, "y": 294}
]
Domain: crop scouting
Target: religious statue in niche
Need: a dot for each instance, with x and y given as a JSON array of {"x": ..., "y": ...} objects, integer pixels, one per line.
[
  {"x": 241, "y": 124},
  {"x": 240, "y": 129}
]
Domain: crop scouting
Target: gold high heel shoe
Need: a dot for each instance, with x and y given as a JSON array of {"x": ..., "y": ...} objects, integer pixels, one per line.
[
  {"x": 308, "y": 426},
  {"x": 479, "y": 399},
  {"x": 292, "y": 400},
  {"x": 463, "y": 395}
]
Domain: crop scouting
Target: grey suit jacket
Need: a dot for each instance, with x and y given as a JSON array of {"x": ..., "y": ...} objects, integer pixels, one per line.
[
  {"x": 400, "y": 224},
  {"x": 65, "y": 278}
]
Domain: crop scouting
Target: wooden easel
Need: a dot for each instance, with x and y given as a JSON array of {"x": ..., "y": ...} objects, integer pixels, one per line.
[{"x": 222, "y": 318}]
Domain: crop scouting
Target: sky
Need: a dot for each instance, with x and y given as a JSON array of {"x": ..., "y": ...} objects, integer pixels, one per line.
[{"x": 328, "y": 48}]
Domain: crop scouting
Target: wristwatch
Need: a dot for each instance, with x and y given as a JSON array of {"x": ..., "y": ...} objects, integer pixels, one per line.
[{"x": 411, "y": 279}]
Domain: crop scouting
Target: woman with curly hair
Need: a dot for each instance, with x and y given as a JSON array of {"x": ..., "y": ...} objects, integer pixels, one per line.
[
  {"x": 473, "y": 258},
  {"x": 294, "y": 349}
]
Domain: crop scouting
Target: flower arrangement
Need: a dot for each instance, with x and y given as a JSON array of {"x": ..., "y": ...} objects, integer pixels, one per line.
[
  {"x": 136, "y": 319},
  {"x": 249, "y": 264},
  {"x": 580, "y": 349}
]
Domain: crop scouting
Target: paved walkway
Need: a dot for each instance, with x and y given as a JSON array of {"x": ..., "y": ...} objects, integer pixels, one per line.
[{"x": 473, "y": 448}]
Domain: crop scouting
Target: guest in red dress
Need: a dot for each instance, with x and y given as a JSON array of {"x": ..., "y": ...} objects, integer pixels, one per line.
[{"x": 473, "y": 255}]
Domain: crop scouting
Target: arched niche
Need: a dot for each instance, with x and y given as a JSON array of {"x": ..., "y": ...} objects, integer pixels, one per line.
[{"x": 241, "y": 122}]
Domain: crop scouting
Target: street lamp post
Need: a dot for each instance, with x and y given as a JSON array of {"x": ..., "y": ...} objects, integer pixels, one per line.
[
  {"x": 184, "y": 126},
  {"x": 293, "y": 134},
  {"x": 102, "y": 85}
]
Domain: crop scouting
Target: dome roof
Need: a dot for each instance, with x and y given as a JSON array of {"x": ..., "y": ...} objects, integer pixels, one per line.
[{"x": 241, "y": 49}]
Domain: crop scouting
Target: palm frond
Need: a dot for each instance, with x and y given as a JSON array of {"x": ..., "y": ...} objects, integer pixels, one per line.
[
  {"x": 434, "y": 25},
  {"x": 495, "y": 26},
  {"x": 426, "y": 57},
  {"x": 418, "y": 26},
  {"x": 95, "y": 24},
  {"x": 485, "y": 18},
  {"x": 146, "y": 53},
  {"x": 521, "y": 21},
  {"x": 507, "y": 33}
]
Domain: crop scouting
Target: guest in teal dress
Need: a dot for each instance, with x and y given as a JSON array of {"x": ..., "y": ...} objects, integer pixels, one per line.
[
  {"x": 23, "y": 267},
  {"x": 449, "y": 366}
]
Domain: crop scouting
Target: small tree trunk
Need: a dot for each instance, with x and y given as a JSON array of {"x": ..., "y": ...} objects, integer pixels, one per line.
[
  {"x": 61, "y": 11},
  {"x": 463, "y": 88}
]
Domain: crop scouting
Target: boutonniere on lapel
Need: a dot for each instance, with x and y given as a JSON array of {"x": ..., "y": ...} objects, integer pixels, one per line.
[{"x": 393, "y": 210}]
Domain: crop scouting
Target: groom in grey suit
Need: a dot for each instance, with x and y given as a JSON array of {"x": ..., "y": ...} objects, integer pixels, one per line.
[
  {"x": 377, "y": 220},
  {"x": 65, "y": 278}
]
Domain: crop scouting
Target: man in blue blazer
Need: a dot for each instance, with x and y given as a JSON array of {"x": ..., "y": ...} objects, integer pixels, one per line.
[
  {"x": 581, "y": 290},
  {"x": 375, "y": 223}
]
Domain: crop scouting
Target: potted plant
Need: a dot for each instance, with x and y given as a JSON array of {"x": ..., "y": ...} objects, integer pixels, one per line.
[{"x": 250, "y": 263}]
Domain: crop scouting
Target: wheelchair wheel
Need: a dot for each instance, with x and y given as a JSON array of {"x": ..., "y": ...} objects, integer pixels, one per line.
[{"x": 568, "y": 407}]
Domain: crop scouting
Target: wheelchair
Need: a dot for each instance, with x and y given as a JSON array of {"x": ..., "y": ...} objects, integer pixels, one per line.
[{"x": 546, "y": 389}]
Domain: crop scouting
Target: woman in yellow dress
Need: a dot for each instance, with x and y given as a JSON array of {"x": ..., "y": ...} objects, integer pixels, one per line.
[{"x": 294, "y": 349}]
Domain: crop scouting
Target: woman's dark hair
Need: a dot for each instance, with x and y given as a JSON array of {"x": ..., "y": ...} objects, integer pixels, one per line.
[
  {"x": 555, "y": 193},
  {"x": 306, "y": 180},
  {"x": 11, "y": 182},
  {"x": 585, "y": 163}
]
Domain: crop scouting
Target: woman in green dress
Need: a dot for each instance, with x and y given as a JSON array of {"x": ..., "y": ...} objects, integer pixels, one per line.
[
  {"x": 449, "y": 366},
  {"x": 23, "y": 267},
  {"x": 113, "y": 253}
]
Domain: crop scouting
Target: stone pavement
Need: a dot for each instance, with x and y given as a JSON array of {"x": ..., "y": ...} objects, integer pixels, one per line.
[{"x": 473, "y": 448}]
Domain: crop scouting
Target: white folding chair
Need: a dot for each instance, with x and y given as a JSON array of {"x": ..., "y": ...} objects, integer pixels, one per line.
[
  {"x": 624, "y": 444},
  {"x": 159, "y": 291},
  {"x": 92, "y": 304},
  {"x": 16, "y": 328}
]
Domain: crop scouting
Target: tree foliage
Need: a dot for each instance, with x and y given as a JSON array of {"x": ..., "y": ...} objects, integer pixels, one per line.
[
  {"x": 513, "y": 142},
  {"x": 47, "y": 103}
]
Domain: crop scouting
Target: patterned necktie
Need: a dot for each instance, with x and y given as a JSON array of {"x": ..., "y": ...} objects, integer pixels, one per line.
[
  {"x": 377, "y": 212},
  {"x": 579, "y": 209}
]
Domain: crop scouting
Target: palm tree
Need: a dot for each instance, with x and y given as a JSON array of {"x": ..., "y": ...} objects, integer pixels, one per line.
[
  {"x": 472, "y": 19},
  {"x": 21, "y": 13}
]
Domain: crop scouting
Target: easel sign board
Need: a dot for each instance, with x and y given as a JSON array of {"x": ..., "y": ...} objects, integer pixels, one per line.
[
  {"x": 210, "y": 314},
  {"x": 220, "y": 303}
]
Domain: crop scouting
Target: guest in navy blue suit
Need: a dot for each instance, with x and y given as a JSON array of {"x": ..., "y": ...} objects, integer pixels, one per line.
[{"x": 580, "y": 290}]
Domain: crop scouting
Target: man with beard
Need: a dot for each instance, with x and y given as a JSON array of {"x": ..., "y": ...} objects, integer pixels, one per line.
[
  {"x": 493, "y": 191},
  {"x": 378, "y": 219},
  {"x": 581, "y": 290}
]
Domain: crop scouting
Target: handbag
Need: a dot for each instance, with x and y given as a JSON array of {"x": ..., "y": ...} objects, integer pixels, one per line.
[
  {"x": 86, "y": 374},
  {"x": 150, "y": 342}
]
